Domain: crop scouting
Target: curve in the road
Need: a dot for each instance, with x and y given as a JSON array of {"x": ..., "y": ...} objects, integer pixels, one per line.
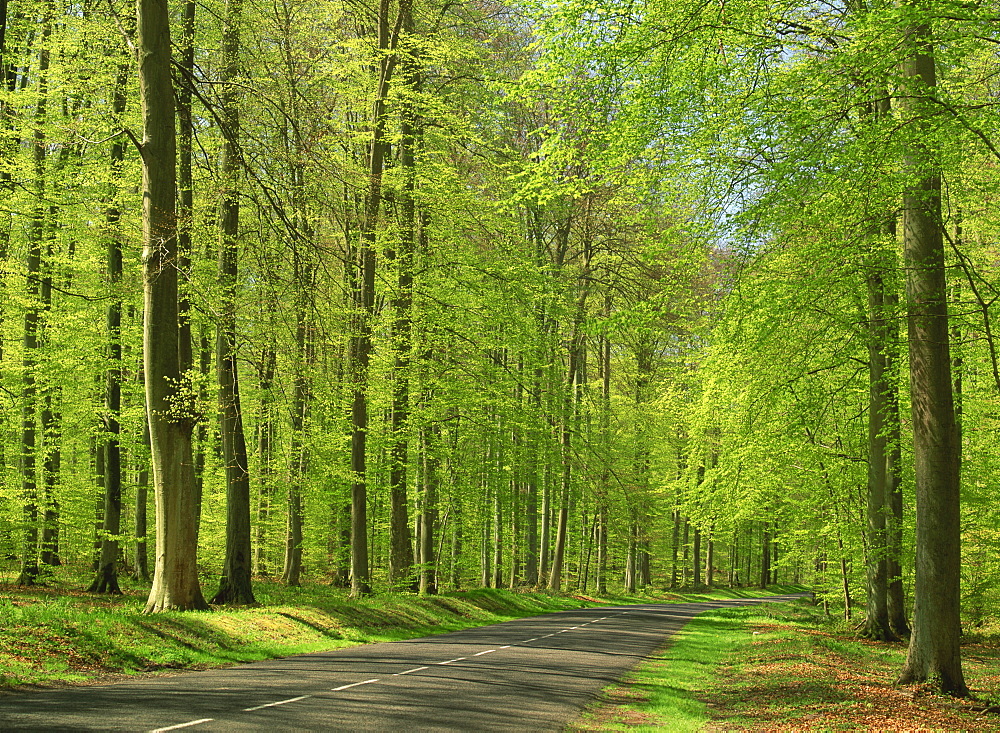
[{"x": 528, "y": 674}]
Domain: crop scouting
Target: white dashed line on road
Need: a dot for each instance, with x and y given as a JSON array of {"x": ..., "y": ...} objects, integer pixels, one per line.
[
  {"x": 415, "y": 669},
  {"x": 182, "y": 725},
  {"x": 456, "y": 659},
  {"x": 272, "y": 704},
  {"x": 479, "y": 654},
  {"x": 355, "y": 684}
]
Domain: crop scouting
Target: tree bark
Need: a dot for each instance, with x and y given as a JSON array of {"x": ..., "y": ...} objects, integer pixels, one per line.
[
  {"x": 934, "y": 654},
  {"x": 106, "y": 580},
  {"x": 877, "y": 622},
  {"x": 175, "y": 579},
  {"x": 235, "y": 585},
  {"x": 32, "y": 323},
  {"x": 400, "y": 541},
  {"x": 428, "y": 514}
]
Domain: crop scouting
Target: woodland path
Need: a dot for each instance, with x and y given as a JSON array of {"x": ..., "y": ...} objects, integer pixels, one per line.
[{"x": 528, "y": 674}]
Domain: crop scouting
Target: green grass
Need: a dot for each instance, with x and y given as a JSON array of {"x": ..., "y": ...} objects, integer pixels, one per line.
[
  {"x": 667, "y": 692},
  {"x": 787, "y": 664},
  {"x": 59, "y": 634}
]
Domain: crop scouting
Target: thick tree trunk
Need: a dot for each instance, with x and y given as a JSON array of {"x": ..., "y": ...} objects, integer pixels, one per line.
[
  {"x": 934, "y": 654},
  {"x": 175, "y": 580},
  {"x": 235, "y": 585}
]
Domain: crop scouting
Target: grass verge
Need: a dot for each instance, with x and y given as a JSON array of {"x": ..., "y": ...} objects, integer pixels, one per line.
[
  {"x": 785, "y": 667},
  {"x": 59, "y": 634}
]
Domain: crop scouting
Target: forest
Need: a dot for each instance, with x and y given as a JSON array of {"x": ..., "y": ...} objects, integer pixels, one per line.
[{"x": 406, "y": 295}]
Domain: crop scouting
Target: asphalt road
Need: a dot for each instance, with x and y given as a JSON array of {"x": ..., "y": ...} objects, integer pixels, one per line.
[{"x": 530, "y": 674}]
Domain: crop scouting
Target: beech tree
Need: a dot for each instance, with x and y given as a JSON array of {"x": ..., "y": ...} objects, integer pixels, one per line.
[{"x": 175, "y": 578}]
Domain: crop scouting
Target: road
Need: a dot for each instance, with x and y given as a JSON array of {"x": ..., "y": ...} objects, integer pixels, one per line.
[{"x": 531, "y": 674}]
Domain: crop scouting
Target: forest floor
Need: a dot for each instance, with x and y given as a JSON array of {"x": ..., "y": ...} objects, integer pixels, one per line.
[
  {"x": 785, "y": 667},
  {"x": 58, "y": 634}
]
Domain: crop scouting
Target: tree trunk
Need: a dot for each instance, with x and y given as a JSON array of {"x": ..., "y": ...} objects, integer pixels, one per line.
[
  {"x": 400, "y": 541},
  {"x": 697, "y": 556},
  {"x": 710, "y": 559},
  {"x": 106, "y": 580},
  {"x": 141, "y": 502},
  {"x": 602, "y": 551},
  {"x": 877, "y": 622},
  {"x": 292, "y": 566},
  {"x": 428, "y": 514},
  {"x": 765, "y": 557},
  {"x": 674, "y": 547},
  {"x": 235, "y": 585},
  {"x": 265, "y": 451},
  {"x": 32, "y": 322},
  {"x": 934, "y": 654},
  {"x": 175, "y": 579}
]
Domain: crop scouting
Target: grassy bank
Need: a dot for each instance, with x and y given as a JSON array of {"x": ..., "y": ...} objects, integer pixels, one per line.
[
  {"x": 58, "y": 634},
  {"x": 787, "y": 667}
]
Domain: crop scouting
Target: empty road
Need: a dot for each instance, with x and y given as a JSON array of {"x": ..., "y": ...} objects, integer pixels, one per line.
[{"x": 524, "y": 675}]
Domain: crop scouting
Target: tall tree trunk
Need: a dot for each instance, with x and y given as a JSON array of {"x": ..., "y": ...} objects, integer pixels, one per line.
[
  {"x": 106, "y": 580},
  {"x": 400, "y": 541},
  {"x": 235, "y": 585},
  {"x": 32, "y": 323},
  {"x": 175, "y": 580},
  {"x": 364, "y": 307},
  {"x": 934, "y": 654}
]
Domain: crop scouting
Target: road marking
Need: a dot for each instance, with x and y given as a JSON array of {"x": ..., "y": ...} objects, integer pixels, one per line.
[
  {"x": 546, "y": 636},
  {"x": 182, "y": 725},
  {"x": 505, "y": 647},
  {"x": 479, "y": 654},
  {"x": 529, "y": 640},
  {"x": 415, "y": 669},
  {"x": 456, "y": 659},
  {"x": 272, "y": 704},
  {"x": 355, "y": 684}
]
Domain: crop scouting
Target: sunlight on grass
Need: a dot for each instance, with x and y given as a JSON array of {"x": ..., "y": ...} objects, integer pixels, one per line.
[
  {"x": 667, "y": 693},
  {"x": 59, "y": 634}
]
